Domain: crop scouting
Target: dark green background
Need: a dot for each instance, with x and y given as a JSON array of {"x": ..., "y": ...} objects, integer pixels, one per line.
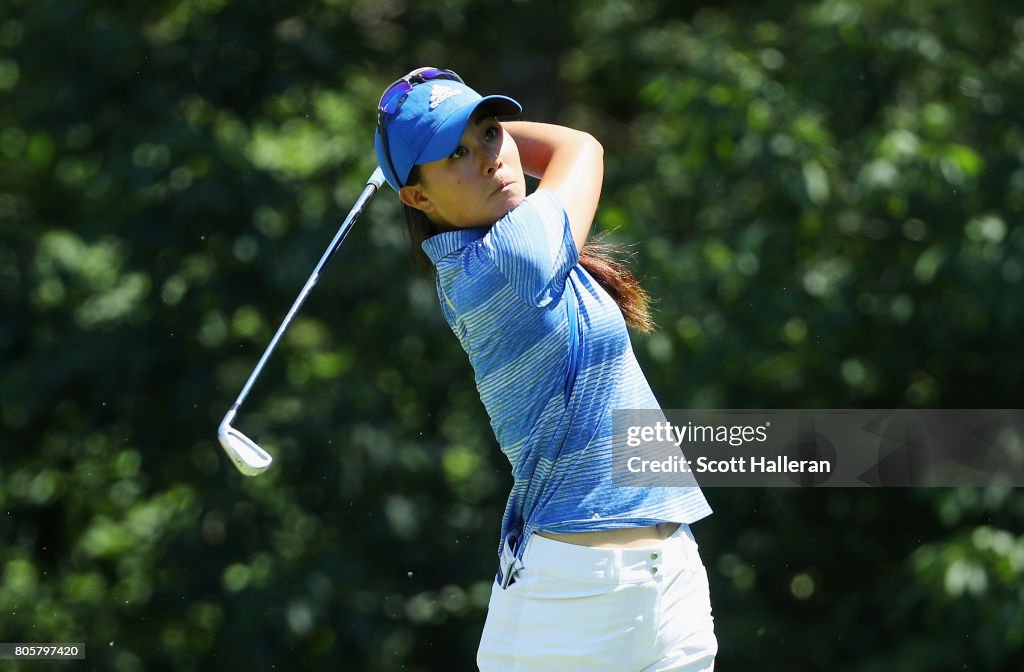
[{"x": 824, "y": 197}]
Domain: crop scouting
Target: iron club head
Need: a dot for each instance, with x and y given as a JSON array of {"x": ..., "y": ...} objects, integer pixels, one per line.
[{"x": 245, "y": 454}]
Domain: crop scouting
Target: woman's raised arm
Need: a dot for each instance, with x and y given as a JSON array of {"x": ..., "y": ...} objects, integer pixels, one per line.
[{"x": 568, "y": 162}]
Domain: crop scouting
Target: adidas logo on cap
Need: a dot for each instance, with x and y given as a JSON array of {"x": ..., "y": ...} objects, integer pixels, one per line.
[{"x": 440, "y": 93}]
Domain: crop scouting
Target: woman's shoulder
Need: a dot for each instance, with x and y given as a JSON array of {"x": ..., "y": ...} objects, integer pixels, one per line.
[{"x": 542, "y": 202}]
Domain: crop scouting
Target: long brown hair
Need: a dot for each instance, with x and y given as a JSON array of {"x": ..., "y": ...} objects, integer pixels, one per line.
[{"x": 600, "y": 258}]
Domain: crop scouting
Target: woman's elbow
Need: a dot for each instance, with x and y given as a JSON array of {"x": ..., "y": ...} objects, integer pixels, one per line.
[
  {"x": 593, "y": 146},
  {"x": 591, "y": 151}
]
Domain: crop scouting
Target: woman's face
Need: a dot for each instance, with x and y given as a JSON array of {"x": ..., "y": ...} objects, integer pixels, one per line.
[{"x": 478, "y": 184}]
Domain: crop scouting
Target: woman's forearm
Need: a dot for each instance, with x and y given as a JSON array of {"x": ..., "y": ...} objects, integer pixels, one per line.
[{"x": 540, "y": 143}]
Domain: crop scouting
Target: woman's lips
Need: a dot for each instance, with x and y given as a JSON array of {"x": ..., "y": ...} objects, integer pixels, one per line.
[{"x": 503, "y": 186}]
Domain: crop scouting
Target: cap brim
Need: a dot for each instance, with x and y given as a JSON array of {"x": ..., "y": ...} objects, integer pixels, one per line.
[{"x": 446, "y": 137}]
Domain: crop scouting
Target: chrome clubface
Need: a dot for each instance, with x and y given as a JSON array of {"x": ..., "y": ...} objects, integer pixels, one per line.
[{"x": 247, "y": 457}]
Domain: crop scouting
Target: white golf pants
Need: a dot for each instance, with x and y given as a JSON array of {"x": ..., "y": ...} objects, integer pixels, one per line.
[{"x": 593, "y": 609}]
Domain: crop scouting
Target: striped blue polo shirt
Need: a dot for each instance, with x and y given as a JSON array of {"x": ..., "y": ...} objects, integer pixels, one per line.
[{"x": 552, "y": 358}]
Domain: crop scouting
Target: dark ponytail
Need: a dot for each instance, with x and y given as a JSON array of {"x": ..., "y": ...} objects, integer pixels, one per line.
[
  {"x": 601, "y": 259},
  {"x": 604, "y": 262}
]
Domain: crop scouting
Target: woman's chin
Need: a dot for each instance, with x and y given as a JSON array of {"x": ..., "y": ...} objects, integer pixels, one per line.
[{"x": 511, "y": 201}]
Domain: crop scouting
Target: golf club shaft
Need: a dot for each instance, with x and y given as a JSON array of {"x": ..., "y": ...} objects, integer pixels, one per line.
[{"x": 372, "y": 185}]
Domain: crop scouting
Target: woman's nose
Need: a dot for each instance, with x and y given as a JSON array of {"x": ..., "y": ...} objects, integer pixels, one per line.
[{"x": 492, "y": 161}]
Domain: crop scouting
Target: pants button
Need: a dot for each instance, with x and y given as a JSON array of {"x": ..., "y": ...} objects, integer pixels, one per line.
[{"x": 654, "y": 570}]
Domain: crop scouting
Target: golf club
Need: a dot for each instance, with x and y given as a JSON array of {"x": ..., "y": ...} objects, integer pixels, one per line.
[{"x": 245, "y": 453}]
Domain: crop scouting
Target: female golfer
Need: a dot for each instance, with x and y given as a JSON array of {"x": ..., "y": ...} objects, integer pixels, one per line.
[{"x": 590, "y": 576}]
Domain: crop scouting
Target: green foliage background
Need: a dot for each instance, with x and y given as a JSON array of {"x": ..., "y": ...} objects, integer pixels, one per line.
[{"x": 825, "y": 197}]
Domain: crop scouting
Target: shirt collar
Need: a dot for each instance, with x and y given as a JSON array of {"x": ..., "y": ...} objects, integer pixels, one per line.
[{"x": 441, "y": 245}]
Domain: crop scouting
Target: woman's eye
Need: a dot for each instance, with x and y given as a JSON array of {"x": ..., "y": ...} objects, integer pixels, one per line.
[
  {"x": 491, "y": 133},
  {"x": 460, "y": 151}
]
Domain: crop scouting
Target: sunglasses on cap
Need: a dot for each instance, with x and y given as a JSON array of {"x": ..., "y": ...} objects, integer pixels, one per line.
[{"x": 393, "y": 97}]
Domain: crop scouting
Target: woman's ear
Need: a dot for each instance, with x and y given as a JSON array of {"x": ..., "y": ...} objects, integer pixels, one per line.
[{"x": 414, "y": 196}]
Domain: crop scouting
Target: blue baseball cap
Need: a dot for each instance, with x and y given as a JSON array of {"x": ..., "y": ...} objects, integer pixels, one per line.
[{"x": 428, "y": 124}]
